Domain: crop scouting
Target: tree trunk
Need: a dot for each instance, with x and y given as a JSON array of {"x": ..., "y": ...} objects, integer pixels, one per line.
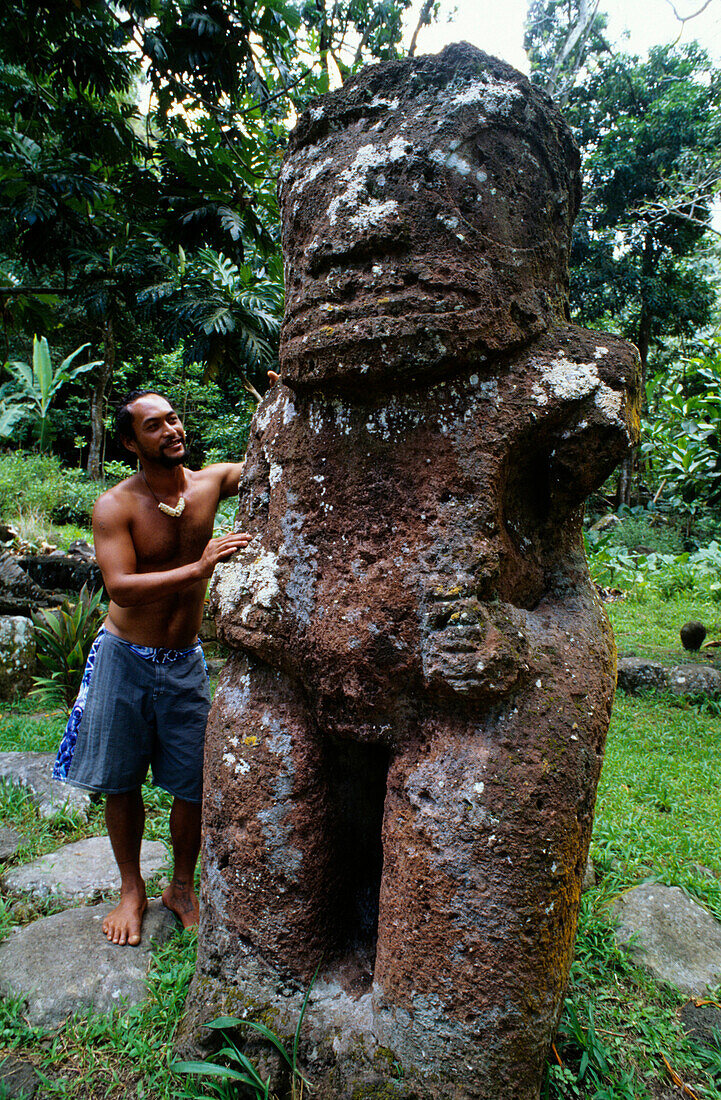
[
  {"x": 624, "y": 484},
  {"x": 424, "y": 17},
  {"x": 629, "y": 467},
  {"x": 578, "y": 31},
  {"x": 97, "y": 402},
  {"x": 643, "y": 343}
]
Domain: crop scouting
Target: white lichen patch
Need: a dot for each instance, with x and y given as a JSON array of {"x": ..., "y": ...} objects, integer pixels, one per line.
[
  {"x": 238, "y": 767},
  {"x": 492, "y": 96},
  {"x": 450, "y": 159},
  {"x": 372, "y": 214},
  {"x": 275, "y": 473},
  {"x": 354, "y": 178},
  {"x": 263, "y": 415},
  {"x": 382, "y": 101},
  {"x": 570, "y": 381},
  {"x": 539, "y": 394},
  {"x": 310, "y": 173},
  {"x": 600, "y": 352},
  {"x": 253, "y": 582},
  {"x": 288, "y": 411},
  {"x": 449, "y": 223},
  {"x": 610, "y": 403}
]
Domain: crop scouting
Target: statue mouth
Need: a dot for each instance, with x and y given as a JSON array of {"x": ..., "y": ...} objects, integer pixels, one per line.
[{"x": 377, "y": 305}]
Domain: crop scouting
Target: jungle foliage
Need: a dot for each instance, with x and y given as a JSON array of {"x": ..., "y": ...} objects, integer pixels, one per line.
[{"x": 139, "y": 150}]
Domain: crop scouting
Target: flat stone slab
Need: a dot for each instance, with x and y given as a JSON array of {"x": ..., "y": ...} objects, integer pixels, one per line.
[
  {"x": 64, "y": 964},
  {"x": 695, "y": 680},
  {"x": 674, "y": 937},
  {"x": 638, "y": 674},
  {"x": 34, "y": 770},
  {"x": 10, "y": 841},
  {"x": 700, "y": 1021},
  {"x": 83, "y": 871}
]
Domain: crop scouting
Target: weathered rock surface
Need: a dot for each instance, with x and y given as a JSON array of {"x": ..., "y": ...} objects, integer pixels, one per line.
[
  {"x": 694, "y": 680},
  {"x": 83, "y": 871},
  {"x": 17, "y": 654},
  {"x": 10, "y": 841},
  {"x": 61, "y": 572},
  {"x": 19, "y": 595},
  {"x": 700, "y": 1022},
  {"x": 64, "y": 964},
  {"x": 34, "y": 771},
  {"x": 403, "y": 751},
  {"x": 674, "y": 937},
  {"x": 639, "y": 674}
]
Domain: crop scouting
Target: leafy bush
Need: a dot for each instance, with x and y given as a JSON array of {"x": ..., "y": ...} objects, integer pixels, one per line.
[
  {"x": 682, "y": 432},
  {"x": 39, "y": 484},
  {"x": 116, "y": 471},
  {"x": 638, "y": 528},
  {"x": 668, "y": 575},
  {"x": 34, "y": 385},
  {"x": 63, "y": 639}
]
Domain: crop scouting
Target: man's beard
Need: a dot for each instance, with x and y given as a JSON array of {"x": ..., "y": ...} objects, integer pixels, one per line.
[{"x": 171, "y": 461}]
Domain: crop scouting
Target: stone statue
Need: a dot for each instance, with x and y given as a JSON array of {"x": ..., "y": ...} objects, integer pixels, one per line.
[{"x": 403, "y": 751}]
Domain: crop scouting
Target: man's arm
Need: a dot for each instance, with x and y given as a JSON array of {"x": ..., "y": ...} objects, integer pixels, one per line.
[
  {"x": 115, "y": 555},
  {"x": 228, "y": 474}
]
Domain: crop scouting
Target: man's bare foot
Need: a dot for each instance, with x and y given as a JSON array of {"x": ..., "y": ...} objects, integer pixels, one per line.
[
  {"x": 123, "y": 924},
  {"x": 180, "y": 898}
]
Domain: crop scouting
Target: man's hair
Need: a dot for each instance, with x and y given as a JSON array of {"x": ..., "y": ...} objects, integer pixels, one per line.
[{"x": 124, "y": 417}]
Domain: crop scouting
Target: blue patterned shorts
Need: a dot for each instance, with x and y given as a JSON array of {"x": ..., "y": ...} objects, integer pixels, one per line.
[{"x": 138, "y": 707}]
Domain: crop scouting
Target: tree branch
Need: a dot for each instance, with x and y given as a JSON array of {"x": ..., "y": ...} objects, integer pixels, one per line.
[
  {"x": 9, "y": 291},
  {"x": 685, "y": 18},
  {"x": 423, "y": 19},
  {"x": 575, "y": 35}
]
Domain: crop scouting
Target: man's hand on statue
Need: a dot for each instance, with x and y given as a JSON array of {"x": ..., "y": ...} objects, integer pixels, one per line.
[
  {"x": 221, "y": 548},
  {"x": 273, "y": 377}
]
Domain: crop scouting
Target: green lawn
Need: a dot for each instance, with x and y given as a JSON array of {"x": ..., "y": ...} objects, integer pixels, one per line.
[{"x": 650, "y": 628}]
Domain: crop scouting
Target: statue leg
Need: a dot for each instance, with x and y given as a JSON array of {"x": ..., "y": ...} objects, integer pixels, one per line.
[
  {"x": 477, "y": 914},
  {"x": 268, "y": 873}
]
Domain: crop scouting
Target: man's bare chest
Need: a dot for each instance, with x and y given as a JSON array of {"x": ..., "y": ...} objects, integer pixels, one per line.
[{"x": 163, "y": 542}]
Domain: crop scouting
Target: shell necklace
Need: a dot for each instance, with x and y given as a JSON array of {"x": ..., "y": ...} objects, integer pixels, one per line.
[{"x": 162, "y": 506}]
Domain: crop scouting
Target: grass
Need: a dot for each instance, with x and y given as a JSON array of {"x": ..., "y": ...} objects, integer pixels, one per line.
[
  {"x": 658, "y": 812},
  {"x": 34, "y": 528},
  {"x": 650, "y": 627},
  {"x": 120, "y": 1055},
  {"x": 658, "y": 818}
]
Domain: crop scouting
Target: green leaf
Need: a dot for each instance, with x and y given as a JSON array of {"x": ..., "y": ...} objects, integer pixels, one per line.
[
  {"x": 43, "y": 371},
  {"x": 209, "y": 1069}
]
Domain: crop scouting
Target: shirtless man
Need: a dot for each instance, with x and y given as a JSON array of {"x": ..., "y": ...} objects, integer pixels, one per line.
[{"x": 145, "y": 698}]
